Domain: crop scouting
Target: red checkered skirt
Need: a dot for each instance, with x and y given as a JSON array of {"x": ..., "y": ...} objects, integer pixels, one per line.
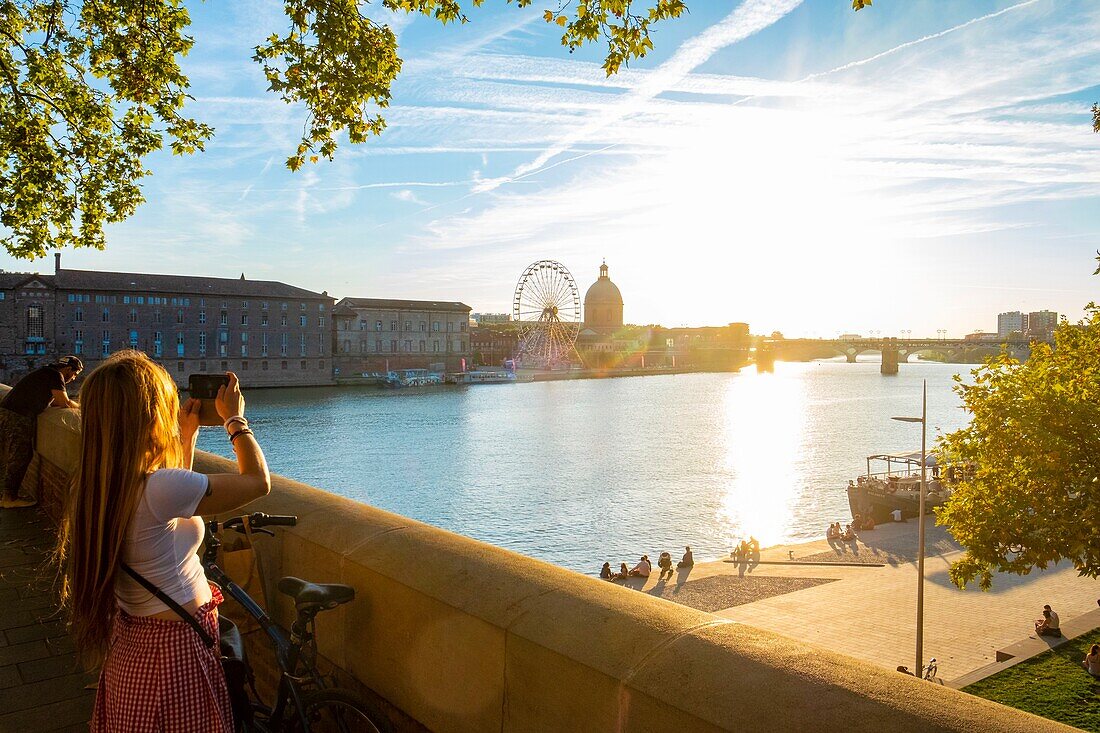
[{"x": 159, "y": 677}]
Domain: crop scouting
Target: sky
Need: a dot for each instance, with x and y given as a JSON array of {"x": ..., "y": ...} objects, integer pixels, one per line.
[{"x": 917, "y": 166}]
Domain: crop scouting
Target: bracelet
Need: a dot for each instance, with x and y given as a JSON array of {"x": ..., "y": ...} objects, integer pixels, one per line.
[
  {"x": 235, "y": 418},
  {"x": 239, "y": 433}
]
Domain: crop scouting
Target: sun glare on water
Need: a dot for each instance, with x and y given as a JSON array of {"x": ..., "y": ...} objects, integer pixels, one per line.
[{"x": 764, "y": 425}]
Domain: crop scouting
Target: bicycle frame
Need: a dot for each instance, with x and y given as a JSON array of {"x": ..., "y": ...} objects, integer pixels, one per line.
[{"x": 287, "y": 652}]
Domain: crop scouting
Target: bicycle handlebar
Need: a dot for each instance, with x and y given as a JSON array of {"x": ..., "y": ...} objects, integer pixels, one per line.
[{"x": 257, "y": 520}]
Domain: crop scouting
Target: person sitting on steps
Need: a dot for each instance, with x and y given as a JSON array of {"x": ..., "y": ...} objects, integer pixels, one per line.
[
  {"x": 1048, "y": 625},
  {"x": 642, "y": 569},
  {"x": 687, "y": 561},
  {"x": 664, "y": 562}
]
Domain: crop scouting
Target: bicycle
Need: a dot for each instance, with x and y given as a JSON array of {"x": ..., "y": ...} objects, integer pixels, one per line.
[
  {"x": 929, "y": 673},
  {"x": 303, "y": 704}
]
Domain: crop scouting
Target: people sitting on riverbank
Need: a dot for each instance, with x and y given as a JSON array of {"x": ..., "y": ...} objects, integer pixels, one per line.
[
  {"x": 664, "y": 562},
  {"x": 624, "y": 572},
  {"x": 863, "y": 522},
  {"x": 1091, "y": 662},
  {"x": 605, "y": 572},
  {"x": 688, "y": 560},
  {"x": 1049, "y": 624},
  {"x": 848, "y": 534},
  {"x": 642, "y": 569},
  {"x": 754, "y": 547}
]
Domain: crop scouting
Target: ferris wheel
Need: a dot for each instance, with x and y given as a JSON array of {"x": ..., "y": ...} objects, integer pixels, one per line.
[{"x": 547, "y": 307}]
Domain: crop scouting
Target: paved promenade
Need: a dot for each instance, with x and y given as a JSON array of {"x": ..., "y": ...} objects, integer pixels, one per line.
[
  {"x": 41, "y": 686},
  {"x": 869, "y": 612}
]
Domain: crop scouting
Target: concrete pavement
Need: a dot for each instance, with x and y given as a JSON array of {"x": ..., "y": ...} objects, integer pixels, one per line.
[{"x": 870, "y": 612}]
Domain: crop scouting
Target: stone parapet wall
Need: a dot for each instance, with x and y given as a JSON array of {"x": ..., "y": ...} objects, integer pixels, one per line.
[{"x": 464, "y": 636}]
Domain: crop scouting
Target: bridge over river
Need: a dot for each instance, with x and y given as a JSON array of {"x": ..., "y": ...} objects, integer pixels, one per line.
[{"x": 894, "y": 350}]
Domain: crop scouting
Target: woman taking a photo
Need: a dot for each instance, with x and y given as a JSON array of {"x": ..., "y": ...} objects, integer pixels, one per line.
[{"x": 136, "y": 502}]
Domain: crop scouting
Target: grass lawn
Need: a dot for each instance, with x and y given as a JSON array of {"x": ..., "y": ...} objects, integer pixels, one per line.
[{"x": 1053, "y": 685}]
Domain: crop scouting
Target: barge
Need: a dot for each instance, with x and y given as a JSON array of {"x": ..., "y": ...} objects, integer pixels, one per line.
[{"x": 880, "y": 493}]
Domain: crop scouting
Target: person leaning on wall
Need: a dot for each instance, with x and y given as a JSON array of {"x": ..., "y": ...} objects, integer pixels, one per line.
[{"x": 19, "y": 410}]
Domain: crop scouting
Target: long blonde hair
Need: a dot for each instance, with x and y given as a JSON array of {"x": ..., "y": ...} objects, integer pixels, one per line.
[{"x": 129, "y": 419}]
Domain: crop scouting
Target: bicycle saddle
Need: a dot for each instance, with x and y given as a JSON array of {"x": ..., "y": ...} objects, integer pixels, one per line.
[{"x": 304, "y": 593}]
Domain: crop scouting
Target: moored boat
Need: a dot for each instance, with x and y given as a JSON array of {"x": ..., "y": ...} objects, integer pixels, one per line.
[
  {"x": 482, "y": 376},
  {"x": 879, "y": 493},
  {"x": 411, "y": 378}
]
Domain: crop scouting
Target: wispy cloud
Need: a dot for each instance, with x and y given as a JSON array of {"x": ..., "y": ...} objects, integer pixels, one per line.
[
  {"x": 748, "y": 18},
  {"x": 408, "y": 196}
]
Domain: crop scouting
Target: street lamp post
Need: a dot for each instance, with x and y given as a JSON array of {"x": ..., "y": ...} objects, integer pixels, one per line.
[{"x": 923, "y": 420}]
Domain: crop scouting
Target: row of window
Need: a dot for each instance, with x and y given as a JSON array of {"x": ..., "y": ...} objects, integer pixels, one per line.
[
  {"x": 132, "y": 317},
  {"x": 423, "y": 326},
  {"x": 303, "y": 364},
  {"x": 158, "y": 300},
  {"x": 181, "y": 343},
  {"x": 379, "y": 346}
]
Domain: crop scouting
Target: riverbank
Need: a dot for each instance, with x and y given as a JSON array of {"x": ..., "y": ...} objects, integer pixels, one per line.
[
  {"x": 863, "y": 604},
  {"x": 523, "y": 375}
]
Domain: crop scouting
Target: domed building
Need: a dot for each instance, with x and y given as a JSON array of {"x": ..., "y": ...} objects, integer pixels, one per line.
[{"x": 603, "y": 305}]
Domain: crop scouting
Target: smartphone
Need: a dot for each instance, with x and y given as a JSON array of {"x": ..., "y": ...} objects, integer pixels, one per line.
[{"x": 204, "y": 387}]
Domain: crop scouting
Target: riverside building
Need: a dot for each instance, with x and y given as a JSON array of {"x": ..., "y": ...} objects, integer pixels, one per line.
[
  {"x": 270, "y": 333},
  {"x": 1041, "y": 325},
  {"x": 381, "y": 335},
  {"x": 605, "y": 342}
]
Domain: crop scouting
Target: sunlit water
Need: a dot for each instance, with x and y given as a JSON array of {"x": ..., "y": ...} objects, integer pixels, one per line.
[{"x": 578, "y": 472}]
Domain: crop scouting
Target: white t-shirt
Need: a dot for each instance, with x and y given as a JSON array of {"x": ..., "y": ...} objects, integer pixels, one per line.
[{"x": 161, "y": 542}]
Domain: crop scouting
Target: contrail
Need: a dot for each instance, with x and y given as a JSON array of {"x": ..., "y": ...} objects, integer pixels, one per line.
[
  {"x": 908, "y": 44},
  {"x": 747, "y": 19}
]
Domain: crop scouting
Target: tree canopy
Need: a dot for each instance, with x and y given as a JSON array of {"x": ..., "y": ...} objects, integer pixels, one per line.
[
  {"x": 1032, "y": 452},
  {"x": 88, "y": 89}
]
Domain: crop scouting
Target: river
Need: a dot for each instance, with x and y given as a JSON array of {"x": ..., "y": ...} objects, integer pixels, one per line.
[{"x": 578, "y": 472}]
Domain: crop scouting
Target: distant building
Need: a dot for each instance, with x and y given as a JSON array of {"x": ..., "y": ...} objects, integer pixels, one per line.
[
  {"x": 269, "y": 333},
  {"x": 603, "y": 305},
  {"x": 606, "y": 343},
  {"x": 493, "y": 343},
  {"x": 1041, "y": 325},
  {"x": 379, "y": 335},
  {"x": 489, "y": 318},
  {"x": 602, "y": 341},
  {"x": 850, "y": 336},
  {"x": 1012, "y": 322}
]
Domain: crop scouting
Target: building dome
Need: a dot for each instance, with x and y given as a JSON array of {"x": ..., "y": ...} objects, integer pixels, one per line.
[{"x": 603, "y": 304}]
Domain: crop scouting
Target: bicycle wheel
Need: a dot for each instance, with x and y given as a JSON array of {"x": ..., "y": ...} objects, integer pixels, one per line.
[{"x": 338, "y": 711}]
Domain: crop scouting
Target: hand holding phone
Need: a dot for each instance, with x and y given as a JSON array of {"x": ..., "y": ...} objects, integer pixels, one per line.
[
  {"x": 229, "y": 400},
  {"x": 205, "y": 388}
]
